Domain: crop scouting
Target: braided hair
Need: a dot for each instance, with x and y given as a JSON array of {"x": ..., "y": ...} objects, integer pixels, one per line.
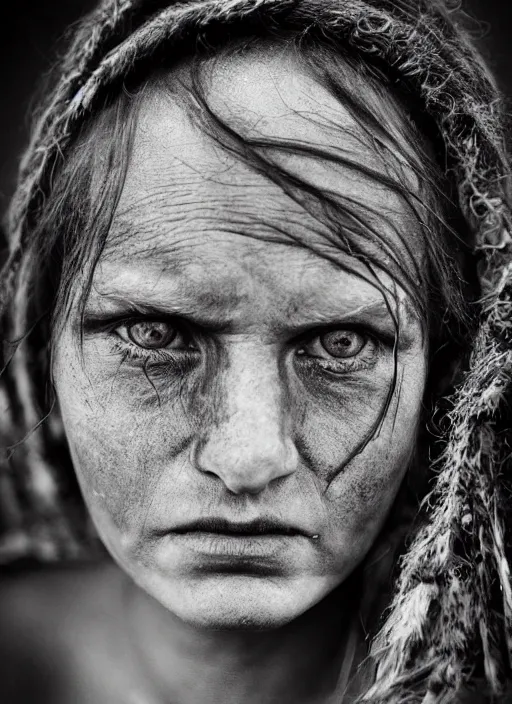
[{"x": 449, "y": 623}]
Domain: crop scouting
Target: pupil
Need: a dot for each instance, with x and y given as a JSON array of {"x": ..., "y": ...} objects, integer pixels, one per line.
[
  {"x": 155, "y": 334},
  {"x": 151, "y": 334},
  {"x": 343, "y": 340},
  {"x": 342, "y": 344}
]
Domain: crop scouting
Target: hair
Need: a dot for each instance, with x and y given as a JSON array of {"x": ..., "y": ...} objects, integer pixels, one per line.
[{"x": 425, "y": 82}]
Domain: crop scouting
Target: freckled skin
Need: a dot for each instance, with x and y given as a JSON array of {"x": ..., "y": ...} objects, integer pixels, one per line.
[{"x": 250, "y": 426}]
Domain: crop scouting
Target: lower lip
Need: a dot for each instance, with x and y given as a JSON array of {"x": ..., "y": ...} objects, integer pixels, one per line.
[{"x": 233, "y": 546}]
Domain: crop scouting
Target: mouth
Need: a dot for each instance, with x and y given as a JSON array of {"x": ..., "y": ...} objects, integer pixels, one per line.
[
  {"x": 256, "y": 528},
  {"x": 222, "y": 540}
]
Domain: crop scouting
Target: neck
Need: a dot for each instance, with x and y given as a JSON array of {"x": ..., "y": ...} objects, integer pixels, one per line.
[{"x": 308, "y": 661}]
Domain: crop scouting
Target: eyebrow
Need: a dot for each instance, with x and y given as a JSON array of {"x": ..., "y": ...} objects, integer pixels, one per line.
[
  {"x": 123, "y": 307},
  {"x": 119, "y": 307}
]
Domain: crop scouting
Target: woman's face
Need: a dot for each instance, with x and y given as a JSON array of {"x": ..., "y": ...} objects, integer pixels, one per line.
[{"x": 228, "y": 373}]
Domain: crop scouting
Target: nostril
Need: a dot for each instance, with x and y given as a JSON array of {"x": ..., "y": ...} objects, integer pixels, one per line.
[
  {"x": 245, "y": 477},
  {"x": 210, "y": 473},
  {"x": 243, "y": 488},
  {"x": 254, "y": 482}
]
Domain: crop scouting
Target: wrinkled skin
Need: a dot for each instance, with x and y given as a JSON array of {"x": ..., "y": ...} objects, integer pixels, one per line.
[{"x": 248, "y": 410}]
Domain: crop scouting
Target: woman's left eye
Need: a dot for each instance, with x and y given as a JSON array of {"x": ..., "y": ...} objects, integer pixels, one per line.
[
  {"x": 341, "y": 350},
  {"x": 150, "y": 334},
  {"x": 342, "y": 344},
  {"x": 337, "y": 344}
]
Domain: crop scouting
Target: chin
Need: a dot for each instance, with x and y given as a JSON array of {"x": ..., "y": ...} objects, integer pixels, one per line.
[{"x": 238, "y": 602}]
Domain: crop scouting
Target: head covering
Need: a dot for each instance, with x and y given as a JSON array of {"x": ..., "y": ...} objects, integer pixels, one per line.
[{"x": 450, "y": 620}]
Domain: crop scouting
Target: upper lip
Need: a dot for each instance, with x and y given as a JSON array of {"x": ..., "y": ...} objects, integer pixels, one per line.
[{"x": 258, "y": 526}]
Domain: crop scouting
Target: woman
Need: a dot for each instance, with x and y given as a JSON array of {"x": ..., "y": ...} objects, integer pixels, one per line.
[{"x": 259, "y": 288}]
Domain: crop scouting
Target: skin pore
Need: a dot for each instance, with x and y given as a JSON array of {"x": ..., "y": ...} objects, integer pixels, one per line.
[{"x": 228, "y": 370}]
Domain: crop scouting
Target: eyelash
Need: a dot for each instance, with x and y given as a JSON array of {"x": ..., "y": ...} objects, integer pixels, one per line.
[
  {"x": 134, "y": 352},
  {"x": 366, "y": 358}
]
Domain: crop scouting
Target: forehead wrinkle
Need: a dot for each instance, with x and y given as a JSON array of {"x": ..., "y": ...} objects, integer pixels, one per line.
[
  {"x": 165, "y": 230},
  {"x": 155, "y": 224},
  {"x": 182, "y": 182},
  {"x": 198, "y": 161},
  {"x": 177, "y": 295},
  {"x": 178, "y": 208},
  {"x": 169, "y": 252},
  {"x": 176, "y": 244},
  {"x": 302, "y": 288},
  {"x": 173, "y": 191}
]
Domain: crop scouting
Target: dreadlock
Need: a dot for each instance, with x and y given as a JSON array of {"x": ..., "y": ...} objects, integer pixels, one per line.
[{"x": 449, "y": 625}]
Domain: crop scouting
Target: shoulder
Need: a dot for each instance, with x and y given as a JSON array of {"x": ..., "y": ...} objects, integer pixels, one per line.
[{"x": 48, "y": 618}]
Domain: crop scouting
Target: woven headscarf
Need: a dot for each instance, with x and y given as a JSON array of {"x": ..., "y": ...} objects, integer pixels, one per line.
[{"x": 450, "y": 619}]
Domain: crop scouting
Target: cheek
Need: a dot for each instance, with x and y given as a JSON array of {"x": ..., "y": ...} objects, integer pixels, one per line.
[
  {"x": 334, "y": 422},
  {"x": 120, "y": 443},
  {"x": 358, "y": 500},
  {"x": 359, "y": 493}
]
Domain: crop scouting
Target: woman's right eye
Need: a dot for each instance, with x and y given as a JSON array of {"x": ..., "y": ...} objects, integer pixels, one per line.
[{"x": 151, "y": 334}]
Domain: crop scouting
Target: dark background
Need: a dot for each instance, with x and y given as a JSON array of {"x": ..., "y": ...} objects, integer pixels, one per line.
[{"x": 32, "y": 29}]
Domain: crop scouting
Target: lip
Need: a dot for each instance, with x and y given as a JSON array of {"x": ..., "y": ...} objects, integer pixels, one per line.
[
  {"x": 258, "y": 527},
  {"x": 225, "y": 545},
  {"x": 221, "y": 539}
]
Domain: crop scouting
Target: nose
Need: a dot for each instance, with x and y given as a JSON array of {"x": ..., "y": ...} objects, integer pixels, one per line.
[{"x": 246, "y": 443}]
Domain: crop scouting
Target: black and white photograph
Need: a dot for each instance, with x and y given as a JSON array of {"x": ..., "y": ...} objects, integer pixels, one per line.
[{"x": 256, "y": 352}]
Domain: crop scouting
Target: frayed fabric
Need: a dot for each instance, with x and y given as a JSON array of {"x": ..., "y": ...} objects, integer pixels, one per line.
[{"x": 453, "y": 597}]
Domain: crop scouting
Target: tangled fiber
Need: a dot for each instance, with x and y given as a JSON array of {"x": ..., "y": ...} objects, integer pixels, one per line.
[{"x": 448, "y": 629}]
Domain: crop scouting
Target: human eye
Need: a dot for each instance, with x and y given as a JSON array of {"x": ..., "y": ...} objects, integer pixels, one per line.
[
  {"x": 145, "y": 340},
  {"x": 341, "y": 350},
  {"x": 149, "y": 334},
  {"x": 154, "y": 340}
]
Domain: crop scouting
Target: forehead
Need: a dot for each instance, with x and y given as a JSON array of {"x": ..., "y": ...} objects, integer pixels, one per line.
[{"x": 183, "y": 189}]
